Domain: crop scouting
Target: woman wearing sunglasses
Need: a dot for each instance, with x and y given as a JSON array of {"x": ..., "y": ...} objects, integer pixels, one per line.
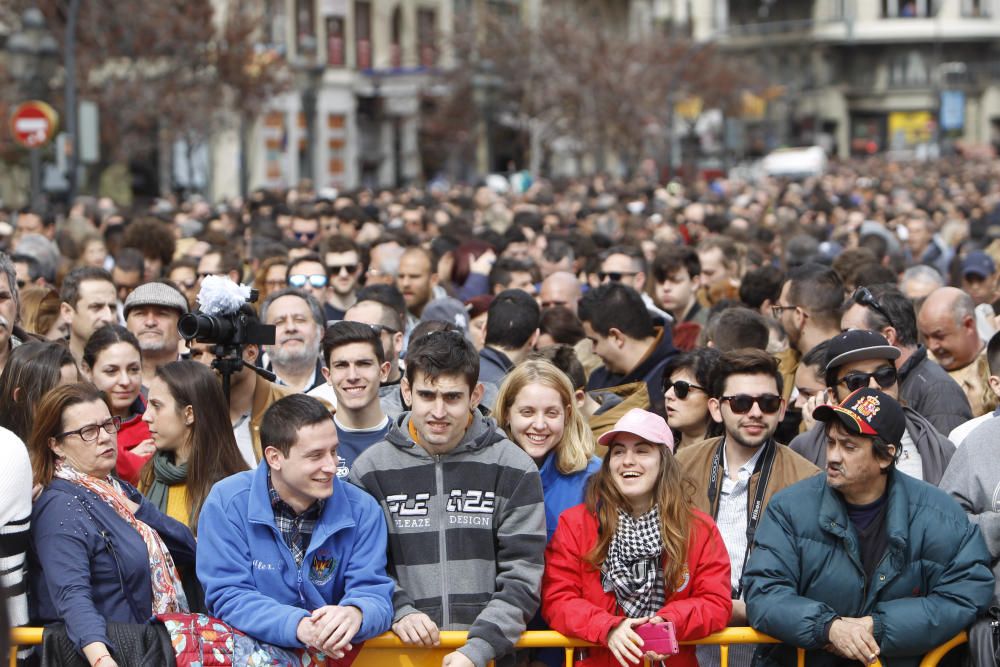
[
  {"x": 857, "y": 359},
  {"x": 685, "y": 394},
  {"x": 98, "y": 551},
  {"x": 636, "y": 554}
]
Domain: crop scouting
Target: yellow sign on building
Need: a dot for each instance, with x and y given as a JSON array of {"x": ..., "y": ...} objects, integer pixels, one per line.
[{"x": 909, "y": 128}]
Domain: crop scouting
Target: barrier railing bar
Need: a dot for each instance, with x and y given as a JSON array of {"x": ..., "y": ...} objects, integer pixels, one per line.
[{"x": 27, "y": 636}]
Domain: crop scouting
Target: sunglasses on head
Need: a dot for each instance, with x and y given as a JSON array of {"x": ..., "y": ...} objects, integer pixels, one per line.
[
  {"x": 615, "y": 276},
  {"x": 742, "y": 403},
  {"x": 300, "y": 280},
  {"x": 864, "y": 297},
  {"x": 681, "y": 388},
  {"x": 335, "y": 270},
  {"x": 885, "y": 377}
]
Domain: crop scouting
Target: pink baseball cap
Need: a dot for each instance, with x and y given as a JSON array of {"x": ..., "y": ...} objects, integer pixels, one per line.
[{"x": 649, "y": 426}]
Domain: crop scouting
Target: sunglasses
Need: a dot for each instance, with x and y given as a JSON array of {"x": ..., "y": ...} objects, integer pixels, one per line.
[
  {"x": 681, "y": 388},
  {"x": 304, "y": 236},
  {"x": 885, "y": 377},
  {"x": 300, "y": 280},
  {"x": 742, "y": 403},
  {"x": 616, "y": 276},
  {"x": 863, "y": 296},
  {"x": 336, "y": 269}
]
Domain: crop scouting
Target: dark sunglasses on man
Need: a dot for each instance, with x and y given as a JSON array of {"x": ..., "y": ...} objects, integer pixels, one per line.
[
  {"x": 885, "y": 377},
  {"x": 742, "y": 403}
]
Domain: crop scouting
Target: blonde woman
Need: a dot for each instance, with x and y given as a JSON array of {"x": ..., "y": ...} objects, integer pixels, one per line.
[{"x": 537, "y": 408}]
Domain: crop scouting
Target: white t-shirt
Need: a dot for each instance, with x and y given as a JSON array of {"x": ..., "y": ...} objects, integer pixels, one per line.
[{"x": 244, "y": 440}]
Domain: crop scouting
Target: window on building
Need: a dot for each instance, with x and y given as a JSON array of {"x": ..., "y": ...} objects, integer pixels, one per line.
[
  {"x": 427, "y": 37},
  {"x": 909, "y": 9},
  {"x": 396, "y": 45},
  {"x": 363, "y": 33},
  {"x": 305, "y": 28},
  {"x": 335, "y": 51},
  {"x": 975, "y": 9},
  {"x": 908, "y": 69},
  {"x": 275, "y": 24}
]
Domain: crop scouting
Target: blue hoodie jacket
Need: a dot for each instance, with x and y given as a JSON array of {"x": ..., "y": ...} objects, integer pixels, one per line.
[{"x": 249, "y": 574}]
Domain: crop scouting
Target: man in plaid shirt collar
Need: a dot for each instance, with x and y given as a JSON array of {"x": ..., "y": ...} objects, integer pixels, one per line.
[{"x": 290, "y": 554}]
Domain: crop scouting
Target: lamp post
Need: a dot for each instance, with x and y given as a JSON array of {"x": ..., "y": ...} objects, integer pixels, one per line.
[
  {"x": 309, "y": 77},
  {"x": 32, "y": 54},
  {"x": 485, "y": 84}
]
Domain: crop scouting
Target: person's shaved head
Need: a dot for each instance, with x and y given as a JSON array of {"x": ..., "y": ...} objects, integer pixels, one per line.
[
  {"x": 560, "y": 289},
  {"x": 947, "y": 322}
]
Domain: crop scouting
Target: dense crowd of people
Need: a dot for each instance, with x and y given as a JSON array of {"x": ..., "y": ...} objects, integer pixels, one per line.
[{"x": 629, "y": 412}]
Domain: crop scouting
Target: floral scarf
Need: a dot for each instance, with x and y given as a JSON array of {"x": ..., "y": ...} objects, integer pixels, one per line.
[{"x": 168, "y": 594}]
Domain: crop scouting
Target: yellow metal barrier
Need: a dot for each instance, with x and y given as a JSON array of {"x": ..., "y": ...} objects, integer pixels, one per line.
[{"x": 387, "y": 649}]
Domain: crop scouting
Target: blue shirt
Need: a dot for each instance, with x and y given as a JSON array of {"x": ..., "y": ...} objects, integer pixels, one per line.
[
  {"x": 562, "y": 491},
  {"x": 354, "y": 442}
]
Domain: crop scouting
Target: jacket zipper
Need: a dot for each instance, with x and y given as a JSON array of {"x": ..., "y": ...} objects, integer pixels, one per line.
[{"x": 442, "y": 542}]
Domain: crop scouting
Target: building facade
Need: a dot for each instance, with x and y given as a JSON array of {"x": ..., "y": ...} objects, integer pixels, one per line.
[
  {"x": 865, "y": 76},
  {"x": 351, "y": 116}
]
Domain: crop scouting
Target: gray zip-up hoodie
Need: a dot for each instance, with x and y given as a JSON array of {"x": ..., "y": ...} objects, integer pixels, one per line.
[
  {"x": 973, "y": 479},
  {"x": 466, "y": 533}
]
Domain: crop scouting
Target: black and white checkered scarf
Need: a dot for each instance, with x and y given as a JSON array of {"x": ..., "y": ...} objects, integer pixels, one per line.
[{"x": 632, "y": 568}]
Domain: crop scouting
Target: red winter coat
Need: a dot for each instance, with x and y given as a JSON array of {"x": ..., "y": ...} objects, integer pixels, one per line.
[
  {"x": 132, "y": 432},
  {"x": 575, "y": 604}
]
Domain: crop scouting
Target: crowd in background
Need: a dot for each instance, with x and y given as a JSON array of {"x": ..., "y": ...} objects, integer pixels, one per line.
[{"x": 583, "y": 400}]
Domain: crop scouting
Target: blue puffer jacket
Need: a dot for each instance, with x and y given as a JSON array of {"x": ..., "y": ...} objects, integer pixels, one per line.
[{"x": 805, "y": 570}]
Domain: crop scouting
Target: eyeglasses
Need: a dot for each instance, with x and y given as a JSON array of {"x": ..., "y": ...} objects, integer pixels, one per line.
[
  {"x": 885, "y": 377},
  {"x": 274, "y": 284},
  {"x": 314, "y": 280},
  {"x": 777, "y": 310},
  {"x": 90, "y": 432},
  {"x": 304, "y": 236},
  {"x": 616, "y": 276},
  {"x": 681, "y": 388},
  {"x": 742, "y": 403},
  {"x": 336, "y": 269},
  {"x": 863, "y": 296}
]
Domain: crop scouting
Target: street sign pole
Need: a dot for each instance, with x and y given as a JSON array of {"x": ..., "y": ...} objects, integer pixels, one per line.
[{"x": 32, "y": 125}]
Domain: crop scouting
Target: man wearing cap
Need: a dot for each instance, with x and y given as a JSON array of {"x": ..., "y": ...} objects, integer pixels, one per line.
[
  {"x": 864, "y": 563},
  {"x": 979, "y": 277},
  {"x": 151, "y": 313},
  {"x": 857, "y": 359},
  {"x": 923, "y": 384},
  {"x": 736, "y": 475}
]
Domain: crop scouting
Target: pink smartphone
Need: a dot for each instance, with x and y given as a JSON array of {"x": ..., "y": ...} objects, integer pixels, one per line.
[{"x": 658, "y": 638}]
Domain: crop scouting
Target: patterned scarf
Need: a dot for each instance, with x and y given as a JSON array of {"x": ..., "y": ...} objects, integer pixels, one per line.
[
  {"x": 168, "y": 594},
  {"x": 632, "y": 567}
]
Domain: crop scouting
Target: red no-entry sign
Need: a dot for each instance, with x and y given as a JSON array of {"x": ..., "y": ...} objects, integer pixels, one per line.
[{"x": 33, "y": 124}]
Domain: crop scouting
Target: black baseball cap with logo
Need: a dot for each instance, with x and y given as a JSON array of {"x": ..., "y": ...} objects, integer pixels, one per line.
[{"x": 868, "y": 412}]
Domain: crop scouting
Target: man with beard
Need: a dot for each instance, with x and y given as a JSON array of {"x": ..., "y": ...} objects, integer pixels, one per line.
[
  {"x": 298, "y": 320},
  {"x": 151, "y": 313},
  {"x": 10, "y": 307},
  {"x": 736, "y": 475},
  {"x": 416, "y": 279},
  {"x": 88, "y": 303}
]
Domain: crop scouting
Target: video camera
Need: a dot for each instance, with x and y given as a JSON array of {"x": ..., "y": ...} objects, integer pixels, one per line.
[{"x": 228, "y": 323}]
